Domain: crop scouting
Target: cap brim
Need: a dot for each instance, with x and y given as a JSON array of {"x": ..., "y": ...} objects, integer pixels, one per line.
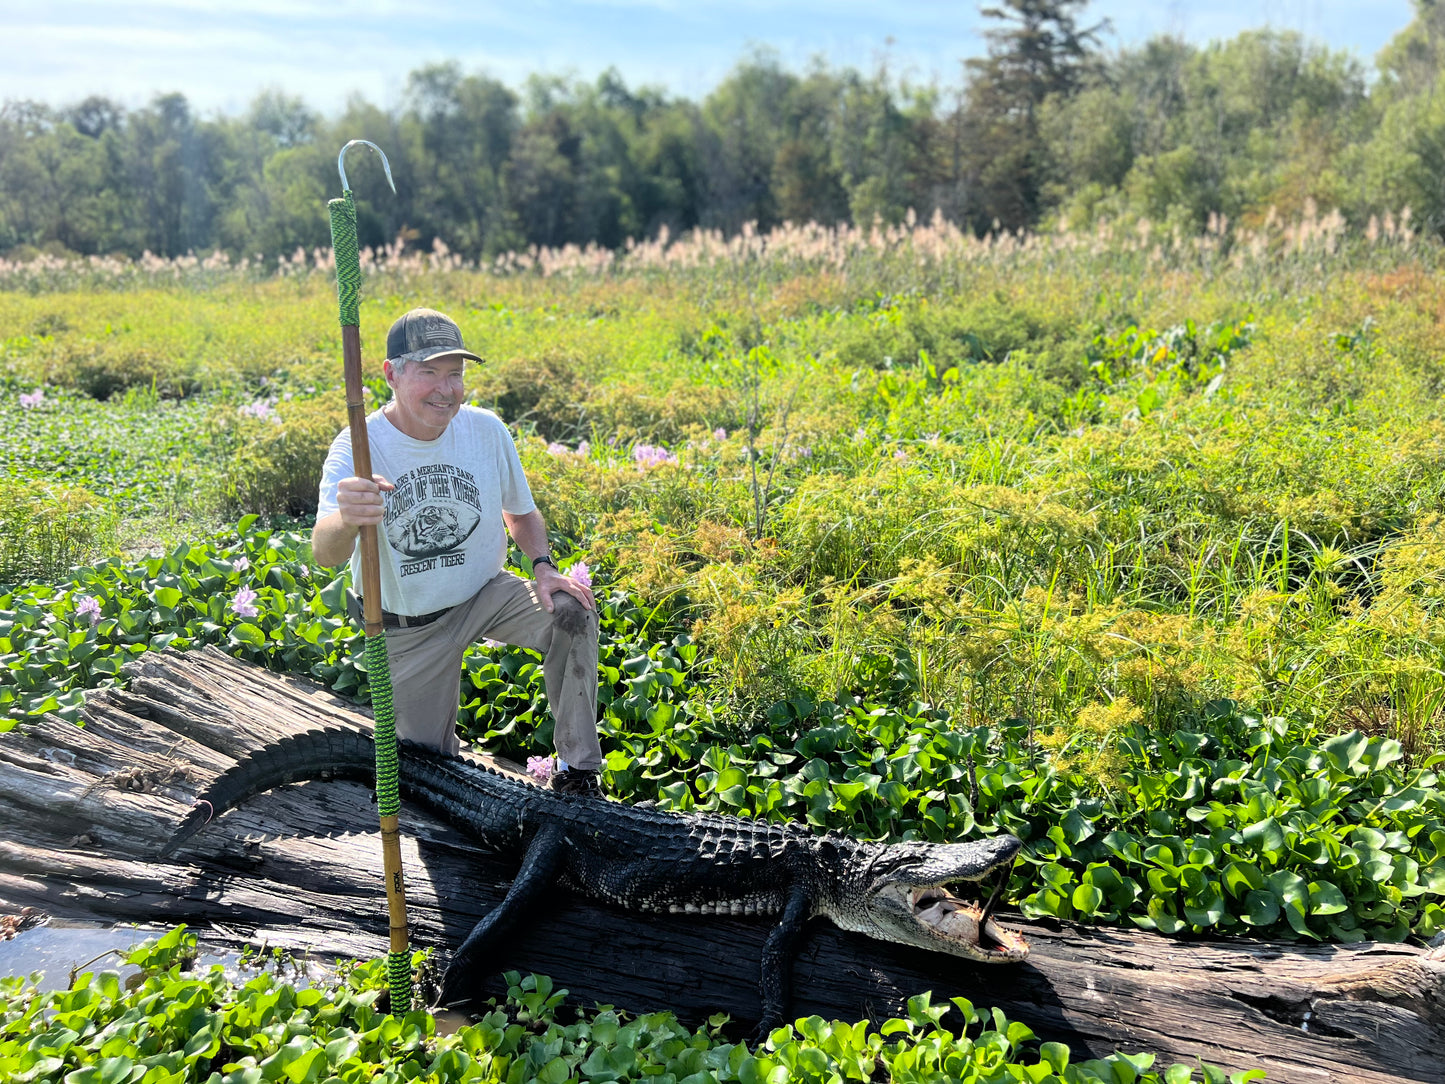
[{"x": 443, "y": 352}]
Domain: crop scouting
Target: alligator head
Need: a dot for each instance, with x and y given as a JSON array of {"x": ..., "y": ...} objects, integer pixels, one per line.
[{"x": 900, "y": 892}]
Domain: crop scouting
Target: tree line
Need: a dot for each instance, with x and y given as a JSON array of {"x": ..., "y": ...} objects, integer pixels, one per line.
[{"x": 1049, "y": 126}]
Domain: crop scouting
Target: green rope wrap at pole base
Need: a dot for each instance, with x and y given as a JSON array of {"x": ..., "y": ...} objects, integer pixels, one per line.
[{"x": 388, "y": 769}]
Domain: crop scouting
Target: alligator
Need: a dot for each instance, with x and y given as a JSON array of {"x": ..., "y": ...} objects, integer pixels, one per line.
[{"x": 646, "y": 859}]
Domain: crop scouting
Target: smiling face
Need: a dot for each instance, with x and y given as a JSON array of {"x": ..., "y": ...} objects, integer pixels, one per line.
[{"x": 428, "y": 395}]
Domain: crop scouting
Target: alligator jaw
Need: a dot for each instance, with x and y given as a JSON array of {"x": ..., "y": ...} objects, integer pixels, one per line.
[
  {"x": 908, "y": 900},
  {"x": 967, "y": 926}
]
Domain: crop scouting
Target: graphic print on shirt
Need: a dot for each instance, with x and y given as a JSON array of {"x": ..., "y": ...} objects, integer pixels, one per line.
[{"x": 432, "y": 511}]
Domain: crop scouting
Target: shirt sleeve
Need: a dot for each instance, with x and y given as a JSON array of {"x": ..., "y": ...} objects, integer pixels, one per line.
[{"x": 338, "y": 466}]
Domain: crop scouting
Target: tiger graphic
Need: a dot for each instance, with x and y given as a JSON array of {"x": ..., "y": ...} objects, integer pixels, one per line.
[{"x": 432, "y": 529}]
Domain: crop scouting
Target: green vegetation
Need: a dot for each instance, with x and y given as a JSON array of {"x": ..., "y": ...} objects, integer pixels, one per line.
[
  {"x": 1052, "y": 125},
  {"x": 1129, "y": 545},
  {"x": 175, "y": 1024}
]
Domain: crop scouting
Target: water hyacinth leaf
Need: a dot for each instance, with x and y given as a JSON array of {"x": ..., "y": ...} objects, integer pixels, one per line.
[
  {"x": 1346, "y": 752},
  {"x": 1378, "y": 866},
  {"x": 1076, "y": 828},
  {"x": 1383, "y": 752},
  {"x": 1267, "y": 835},
  {"x": 1261, "y": 908},
  {"x": 1087, "y": 899},
  {"x": 1240, "y": 878},
  {"x": 1431, "y": 922},
  {"x": 1326, "y": 899},
  {"x": 1164, "y": 920},
  {"x": 1205, "y": 908},
  {"x": 168, "y": 597},
  {"x": 247, "y": 633},
  {"x": 1290, "y": 888},
  {"x": 850, "y": 792}
]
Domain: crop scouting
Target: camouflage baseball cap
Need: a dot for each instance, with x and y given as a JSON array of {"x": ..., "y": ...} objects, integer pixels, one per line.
[{"x": 425, "y": 333}]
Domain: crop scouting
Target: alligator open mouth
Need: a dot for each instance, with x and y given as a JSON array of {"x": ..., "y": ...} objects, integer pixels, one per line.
[{"x": 969, "y": 924}]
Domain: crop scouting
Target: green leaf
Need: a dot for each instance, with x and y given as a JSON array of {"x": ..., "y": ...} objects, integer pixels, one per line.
[
  {"x": 1267, "y": 835},
  {"x": 1326, "y": 899},
  {"x": 1241, "y": 878},
  {"x": 1086, "y": 899},
  {"x": 1261, "y": 908},
  {"x": 1055, "y": 1055},
  {"x": 168, "y": 597},
  {"x": 1164, "y": 921},
  {"x": 1076, "y": 828},
  {"x": 247, "y": 633},
  {"x": 1346, "y": 751}
]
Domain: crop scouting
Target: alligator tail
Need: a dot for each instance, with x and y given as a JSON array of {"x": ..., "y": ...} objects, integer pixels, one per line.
[{"x": 333, "y": 753}]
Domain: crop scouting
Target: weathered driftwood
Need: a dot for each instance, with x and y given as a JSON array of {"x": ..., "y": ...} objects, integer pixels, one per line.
[{"x": 86, "y": 808}]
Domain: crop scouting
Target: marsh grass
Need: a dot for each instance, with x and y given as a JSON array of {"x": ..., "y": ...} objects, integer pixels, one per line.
[
  {"x": 1023, "y": 475},
  {"x": 47, "y": 528}
]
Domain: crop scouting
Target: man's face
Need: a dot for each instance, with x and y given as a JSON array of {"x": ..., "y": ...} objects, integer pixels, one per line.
[{"x": 428, "y": 395}]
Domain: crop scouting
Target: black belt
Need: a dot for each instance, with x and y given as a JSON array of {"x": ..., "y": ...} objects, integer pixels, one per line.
[{"x": 390, "y": 620}]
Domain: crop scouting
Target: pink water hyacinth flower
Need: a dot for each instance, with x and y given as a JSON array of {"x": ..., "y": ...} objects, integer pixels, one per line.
[
  {"x": 540, "y": 769},
  {"x": 242, "y": 563},
  {"x": 581, "y": 573},
  {"x": 493, "y": 644},
  {"x": 720, "y": 433},
  {"x": 244, "y": 603},
  {"x": 261, "y": 408},
  {"x": 88, "y": 607},
  {"x": 648, "y": 456},
  {"x": 558, "y": 450},
  {"x": 33, "y": 399}
]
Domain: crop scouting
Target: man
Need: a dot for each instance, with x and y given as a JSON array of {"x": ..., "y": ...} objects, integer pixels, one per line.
[{"x": 447, "y": 481}]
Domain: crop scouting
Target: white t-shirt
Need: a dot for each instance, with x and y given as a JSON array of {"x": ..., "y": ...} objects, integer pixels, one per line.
[{"x": 443, "y": 535}]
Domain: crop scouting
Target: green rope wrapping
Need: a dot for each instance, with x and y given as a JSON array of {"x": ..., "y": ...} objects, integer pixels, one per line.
[
  {"x": 388, "y": 766},
  {"x": 398, "y": 973},
  {"x": 348, "y": 258}
]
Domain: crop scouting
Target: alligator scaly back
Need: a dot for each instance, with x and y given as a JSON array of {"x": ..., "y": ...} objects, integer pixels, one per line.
[{"x": 647, "y": 859}]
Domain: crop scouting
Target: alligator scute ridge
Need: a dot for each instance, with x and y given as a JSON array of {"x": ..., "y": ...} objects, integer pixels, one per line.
[{"x": 646, "y": 859}]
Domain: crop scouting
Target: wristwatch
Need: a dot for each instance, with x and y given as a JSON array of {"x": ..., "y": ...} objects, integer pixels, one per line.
[{"x": 543, "y": 559}]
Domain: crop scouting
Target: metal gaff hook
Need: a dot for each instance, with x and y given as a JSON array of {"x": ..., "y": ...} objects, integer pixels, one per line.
[{"x": 341, "y": 163}]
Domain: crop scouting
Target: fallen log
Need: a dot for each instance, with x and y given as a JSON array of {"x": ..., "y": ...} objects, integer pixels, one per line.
[{"x": 87, "y": 808}]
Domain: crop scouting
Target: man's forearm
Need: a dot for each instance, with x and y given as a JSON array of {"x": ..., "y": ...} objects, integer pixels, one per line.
[
  {"x": 529, "y": 532},
  {"x": 332, "y": 540}
]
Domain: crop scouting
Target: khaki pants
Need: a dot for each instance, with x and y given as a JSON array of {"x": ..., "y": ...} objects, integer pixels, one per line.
[{"x": 426, "y": 665}]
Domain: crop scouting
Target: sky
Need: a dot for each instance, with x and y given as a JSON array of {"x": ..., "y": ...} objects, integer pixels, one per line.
[{"x": 221, "y": 55}]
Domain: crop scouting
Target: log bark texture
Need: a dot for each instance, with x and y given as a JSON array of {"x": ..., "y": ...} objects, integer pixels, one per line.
[{"x": 86, "y": 809}]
